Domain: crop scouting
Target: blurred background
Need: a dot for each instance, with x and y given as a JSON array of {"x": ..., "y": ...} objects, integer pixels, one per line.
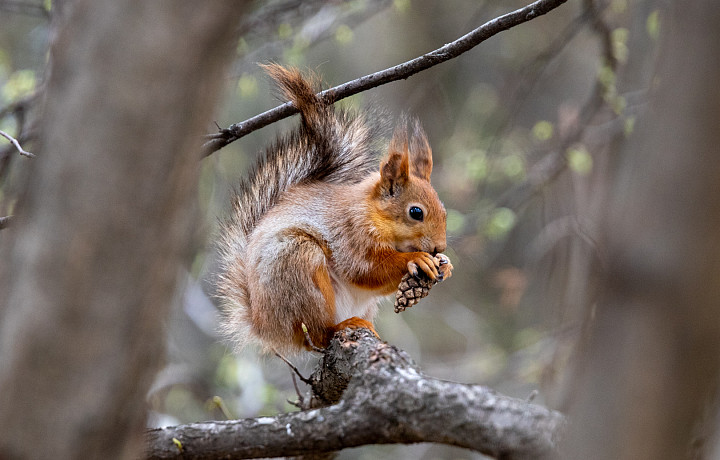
[{"x": 523, "y": 129}]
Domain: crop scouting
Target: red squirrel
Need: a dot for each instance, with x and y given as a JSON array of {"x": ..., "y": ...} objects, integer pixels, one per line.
[{"x": 318, "y": 234}]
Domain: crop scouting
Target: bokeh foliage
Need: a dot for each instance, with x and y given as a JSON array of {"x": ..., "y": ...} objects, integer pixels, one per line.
[{"x": 522, "y": 129}]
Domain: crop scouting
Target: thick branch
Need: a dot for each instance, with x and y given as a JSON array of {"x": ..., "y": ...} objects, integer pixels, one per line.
[
  {"x": 218, "y": 140},
  {"x": 387, "y": 401}
]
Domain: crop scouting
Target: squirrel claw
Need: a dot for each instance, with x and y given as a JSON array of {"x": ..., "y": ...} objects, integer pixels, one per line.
[
  {"x": 445, "y": 268},
  {"x": 426, "y": 263},
  {"x": 413, "y": 269},
  {"x": 442, "y": 259}
]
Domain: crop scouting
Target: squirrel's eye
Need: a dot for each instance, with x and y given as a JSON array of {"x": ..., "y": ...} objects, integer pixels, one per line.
[{"x": 416, "y": 213}]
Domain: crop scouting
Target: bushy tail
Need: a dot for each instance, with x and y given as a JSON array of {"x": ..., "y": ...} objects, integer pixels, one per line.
[{"x": 330, "y": 145}]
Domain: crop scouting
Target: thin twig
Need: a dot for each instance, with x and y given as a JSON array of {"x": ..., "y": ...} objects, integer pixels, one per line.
[
  {"x": 18, "y": 109},
  {"x": 17, "y": 145},
  {"x": 218, "y": 402},
  {"x": 5, "y": 222},
  {"x": 295, "y": 369},
  {"x": 218, "y": 140},
  {"x": 300, "y": 403},
  {"x": 309, "y": 340}
]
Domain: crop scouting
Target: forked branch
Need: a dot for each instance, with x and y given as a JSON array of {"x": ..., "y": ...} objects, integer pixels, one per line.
[{"x": 373, "y": 394}]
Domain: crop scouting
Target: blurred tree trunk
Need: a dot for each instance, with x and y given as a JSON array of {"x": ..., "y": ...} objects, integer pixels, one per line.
[
  {"x": 92, "y": 260},
  {"x": 653, "y": 362}
]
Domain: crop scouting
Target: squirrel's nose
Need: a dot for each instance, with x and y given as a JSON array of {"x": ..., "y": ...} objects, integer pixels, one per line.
[{"x": 438, "y": 249}]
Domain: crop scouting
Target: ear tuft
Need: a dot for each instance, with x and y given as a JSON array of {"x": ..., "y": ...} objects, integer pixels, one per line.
[
  {"x": 395, "y": 169},
  {"x": 420, "y": 153}
]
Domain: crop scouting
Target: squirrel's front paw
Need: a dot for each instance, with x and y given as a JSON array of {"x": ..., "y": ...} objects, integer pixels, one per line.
[
  {"x": 425, "y": 262},
  {"x": 445, "y": 267},
  {"x": 412, "y": 287}
]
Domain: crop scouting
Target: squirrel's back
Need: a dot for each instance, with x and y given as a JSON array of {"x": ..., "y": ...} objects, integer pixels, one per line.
[{"x": 331, "y": 145}]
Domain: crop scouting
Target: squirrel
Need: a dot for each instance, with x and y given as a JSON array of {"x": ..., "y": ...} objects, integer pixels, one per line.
[{"x": 318, "y": 234}]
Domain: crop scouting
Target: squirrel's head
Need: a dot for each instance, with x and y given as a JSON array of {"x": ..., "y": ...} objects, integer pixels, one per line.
[{"x": 408, "y": 212}]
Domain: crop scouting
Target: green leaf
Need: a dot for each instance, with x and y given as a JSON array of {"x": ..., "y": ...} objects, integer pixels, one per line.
[
  {"x": 618, "y": 6},
  {"x": 652, "y": 25},
  {"x": 477, "y": 165},
  {"x": 401, "y": 6},
  {"x": 500, "y": 223},
  {"x": 618, "y": 104},
  {"x": 619, "y": 44},
  {"x": 242, "y": 47},
  {"x": 455, "y": 221},
  {"x": 247, "y": 86},
  {"x": 606, "y": 75},
  {"x": 580, "y": 160},
  {"x": 20, "y": 84},
  {"x": 344, "y": 34},
  {"x": 543, "y": 130},
  {"x": 629, "y": 125},
  {"x": 513, "y": 166},
  {"x": 295, "y": 55},
  {"x": 284, "y": 31}
]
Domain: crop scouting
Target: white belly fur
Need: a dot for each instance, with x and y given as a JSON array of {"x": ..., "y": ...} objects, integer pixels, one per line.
[{"x": 353, "y": 301}]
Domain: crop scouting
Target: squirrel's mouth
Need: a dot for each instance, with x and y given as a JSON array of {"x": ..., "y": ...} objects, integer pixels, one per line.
[
  {"x": 407, "y": 248},
  {"x": 413, "y": 248}
]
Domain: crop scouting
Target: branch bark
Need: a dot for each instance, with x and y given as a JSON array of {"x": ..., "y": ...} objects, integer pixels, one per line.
[
  {"x": 386, "y": 400},
  {"x": 218, "y": 140}
]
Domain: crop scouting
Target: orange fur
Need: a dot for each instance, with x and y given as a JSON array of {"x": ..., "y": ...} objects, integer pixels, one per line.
[
  {"x": 323, "y": 283},
  {"x": 389, "y": 267},
  {"x": 355, "y": 323}
]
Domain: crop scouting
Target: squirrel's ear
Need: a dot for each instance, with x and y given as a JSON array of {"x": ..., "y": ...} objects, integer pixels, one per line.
[
  {"x": 420, "y": 153},
  {"x": 395, "y": 168}
]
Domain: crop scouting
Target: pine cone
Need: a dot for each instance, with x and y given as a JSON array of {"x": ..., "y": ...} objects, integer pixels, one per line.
[{"x": 411, "y": 290}]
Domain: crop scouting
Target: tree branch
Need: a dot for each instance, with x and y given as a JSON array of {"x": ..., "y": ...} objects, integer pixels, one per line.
[
  {"x": 5, "y": 222},
  {"x": 386, "y": 400},
  {"x": 19, "y": 110},
  {"x": 16, "y": 144},
  {"x": 218, "y": 140}
]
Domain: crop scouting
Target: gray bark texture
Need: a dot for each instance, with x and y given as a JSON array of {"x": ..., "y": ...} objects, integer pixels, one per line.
[
  {"x": 373, "y": 393},
  {"x": 91, "y": 262}
]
